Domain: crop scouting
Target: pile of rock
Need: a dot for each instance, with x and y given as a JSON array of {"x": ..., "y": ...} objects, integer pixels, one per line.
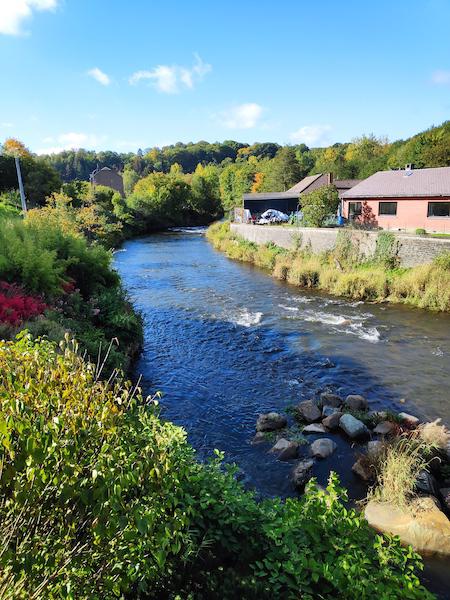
[{"x": 352, "y": 419}]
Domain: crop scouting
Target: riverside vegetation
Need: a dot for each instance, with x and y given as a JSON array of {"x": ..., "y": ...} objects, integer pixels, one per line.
[
  {"x": 100, "y": 498},
  {"x": 344, "y": 272}
]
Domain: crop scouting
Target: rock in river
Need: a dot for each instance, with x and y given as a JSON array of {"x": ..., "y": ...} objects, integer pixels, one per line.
[
  {"x": 384, "y": 428},
  {"x": 356, "y": 402},
  {"x": 329, "y": 410},
  {"x": 285, "y": 449},
  {"x": 323, "y": 448},
  {"x": 259, "y": 437},
  {"x": 270, "y": 422},
  {"x": 408, "y": 420},
  {"x": 362, "y": 469},
  {"x": 314, "y": 428},
  {"x": 354, "y": 428},
  {"x": 328, "y": 399},
  {"x": 423, "y": 526},
  {"x": 302, "y": 473},
  {"x": 332, "y": 422},
  {"x": 309, "y": 411}
]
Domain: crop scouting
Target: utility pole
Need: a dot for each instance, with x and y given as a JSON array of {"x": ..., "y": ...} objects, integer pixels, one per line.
[{"x": 22, "y": 191}]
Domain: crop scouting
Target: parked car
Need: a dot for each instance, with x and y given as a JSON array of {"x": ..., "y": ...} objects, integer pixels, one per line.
[{"x": 272, "y": 216}]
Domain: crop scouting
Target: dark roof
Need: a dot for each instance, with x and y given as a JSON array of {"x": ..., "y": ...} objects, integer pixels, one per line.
[
  {"x": 403, "y": 183},
  {"x": 293, "y": 192},
  {"x": 302, "y": 185},
  {"x": 270, "y": 195},
  {"x": 346, "y": 184}
]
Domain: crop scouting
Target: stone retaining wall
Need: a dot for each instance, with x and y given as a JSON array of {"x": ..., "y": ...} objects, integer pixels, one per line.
[{"x": 414, "y": 250}]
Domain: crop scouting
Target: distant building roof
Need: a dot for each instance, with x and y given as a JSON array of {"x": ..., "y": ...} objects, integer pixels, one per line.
[
  {"x": 293, "y": 192},
  {"x": 404, "y": 183},
  {"x": 346, "y": 184},
  {"x": 302, "y": 185}
]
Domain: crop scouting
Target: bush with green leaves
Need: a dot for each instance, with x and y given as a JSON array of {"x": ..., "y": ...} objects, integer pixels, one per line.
[
  {"x": 100, "y": 498},
  {"x": 77, "y": 282},
  {"x": 318, "y": 205}
]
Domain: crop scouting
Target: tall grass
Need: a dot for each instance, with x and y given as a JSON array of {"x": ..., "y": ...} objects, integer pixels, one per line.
[{"x": 344, "y": 272}]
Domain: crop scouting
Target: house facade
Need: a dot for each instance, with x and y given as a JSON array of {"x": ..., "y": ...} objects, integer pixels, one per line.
[
  {"x": 403, "y": 200},
  {"x": 109, "y": 177},
  {"x": 290, "y": 200}
]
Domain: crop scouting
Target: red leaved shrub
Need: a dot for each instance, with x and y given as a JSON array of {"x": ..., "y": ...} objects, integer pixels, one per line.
[{"x": 16, "y": 306}]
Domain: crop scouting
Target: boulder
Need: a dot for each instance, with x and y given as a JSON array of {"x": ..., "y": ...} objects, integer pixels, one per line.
[
  {"x": 374, "y": 447},
  {"x": 323, "y": 448},
  {"x": 422, "y": 524},
  {"x": 314, "y": 428},
  {"x": 409, "y": 420},
  {"x": 309, "y": 411},
  {"x": 356, "y": 402},
  {"x": 385, "y": 428},
  {"x": 329, "y": 410},
  {"x": 259, "y": 437},
  {"x": 354, "y": 428},
  {"x": 328, "y": 399},
  {"x": 302, "y": 473},
  {"x": 332, "y": 422},
  {"x": 285, "y": 449},
  {"x": 445, "y": 493},
  {"x": 270, "y": 422},
  {"x": 363, "y": 470},
  {"x": 426, "y": 484}
]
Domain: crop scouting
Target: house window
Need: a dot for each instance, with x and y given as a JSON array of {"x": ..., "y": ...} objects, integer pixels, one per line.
[
  {"x": 387, "y": 208},
  {"x": 439, "y": 209},
  {"x": 354, "y": 209}
]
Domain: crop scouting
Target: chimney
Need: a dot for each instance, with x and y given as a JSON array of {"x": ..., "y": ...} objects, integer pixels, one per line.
[{"x": 330, "y": 178}]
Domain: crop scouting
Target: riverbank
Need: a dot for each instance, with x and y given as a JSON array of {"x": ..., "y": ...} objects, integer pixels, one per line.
[{"x": 342, "y": 271}]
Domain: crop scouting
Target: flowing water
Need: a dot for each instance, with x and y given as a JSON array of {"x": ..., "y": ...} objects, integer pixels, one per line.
[{"x": 225, "y": 342}]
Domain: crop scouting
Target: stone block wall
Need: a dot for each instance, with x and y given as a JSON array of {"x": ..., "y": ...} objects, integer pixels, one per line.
[{"x": 414, "y": 250}]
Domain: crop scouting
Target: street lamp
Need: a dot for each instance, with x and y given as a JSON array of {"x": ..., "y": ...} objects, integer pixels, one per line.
[{"x": 22, "y": 191}]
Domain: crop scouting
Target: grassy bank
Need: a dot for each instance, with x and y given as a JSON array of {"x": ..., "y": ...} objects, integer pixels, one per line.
[
  {"x": 344, "y": 272},
  {"x": 99, "y": 498}
]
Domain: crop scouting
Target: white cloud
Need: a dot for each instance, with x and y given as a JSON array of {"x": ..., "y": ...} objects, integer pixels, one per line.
[
  {"x": 172, "y": 79},
  {"x": 70, "y": 141},
  {"x": 441, "y": 77},
  {"x": 243, "y": 116},
  {"x": 6, "y": 125},
  {"x": 311, "y": 134},
  {"x": 99, "y": 76},
  {"x": 14, "y": 12}
]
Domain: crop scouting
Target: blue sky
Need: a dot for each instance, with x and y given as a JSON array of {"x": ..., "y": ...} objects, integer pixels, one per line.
[{"x": 108, "y": 74}]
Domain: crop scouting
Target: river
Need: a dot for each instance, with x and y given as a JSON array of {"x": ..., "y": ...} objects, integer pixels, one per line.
[{"x": 225, "y": 342}]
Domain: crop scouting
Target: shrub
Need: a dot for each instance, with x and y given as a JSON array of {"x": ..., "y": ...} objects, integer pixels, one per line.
[
  {"x": 318, "y": 205},
  {"x": 420, "y": 231},
  {"x": 443, "y": 260},
  {"x": 99, "y": 498},
  {"x": 397, "y": 468},
  {"x": 386, "y": 250},
  {"x": 16, "y": 306}
]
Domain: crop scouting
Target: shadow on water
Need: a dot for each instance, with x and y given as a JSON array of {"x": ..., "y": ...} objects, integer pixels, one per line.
[{"x": 224, "y": 342}]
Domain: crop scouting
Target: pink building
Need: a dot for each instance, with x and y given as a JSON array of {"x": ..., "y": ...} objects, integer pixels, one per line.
[{"x": 403, "y": 200}]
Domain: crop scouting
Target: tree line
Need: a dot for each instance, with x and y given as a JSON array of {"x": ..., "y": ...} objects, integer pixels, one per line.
[{"x": 194, "y": 182}]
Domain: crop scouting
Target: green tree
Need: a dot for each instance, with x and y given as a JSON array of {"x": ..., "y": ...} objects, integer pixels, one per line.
[
  {"x": 319, "y": 204},
  {"x": 284, "y": 171},
  {"x": 205, "y": 191},
  {"x": 130, "y": 178}
]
